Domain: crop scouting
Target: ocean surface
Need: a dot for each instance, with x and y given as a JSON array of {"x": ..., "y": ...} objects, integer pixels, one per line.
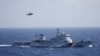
[{"x": 8, "y": 36}]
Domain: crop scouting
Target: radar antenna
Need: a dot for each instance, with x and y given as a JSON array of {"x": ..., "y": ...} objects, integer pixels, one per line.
[{"x": 58, "y": 32}]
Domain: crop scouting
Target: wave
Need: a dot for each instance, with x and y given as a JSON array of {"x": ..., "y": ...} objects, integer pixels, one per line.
[
  {"x": 24, "y": 46},
  {"x": 5, "y": 45}
]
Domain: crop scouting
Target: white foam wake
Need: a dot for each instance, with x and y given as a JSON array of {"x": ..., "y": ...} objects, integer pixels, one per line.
[
  {"x": 90, "y": 45},
  {"x": 25, "y": 46},
  {"x": 5, "y": 45}
]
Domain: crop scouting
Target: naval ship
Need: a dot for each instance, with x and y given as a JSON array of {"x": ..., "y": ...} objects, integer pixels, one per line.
[{"x": 60, "y": 40}]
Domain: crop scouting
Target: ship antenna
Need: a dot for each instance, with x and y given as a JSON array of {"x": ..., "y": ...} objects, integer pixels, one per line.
[
  {"x": 58, "y": 32},
  {"x": 36, "y": 35}
]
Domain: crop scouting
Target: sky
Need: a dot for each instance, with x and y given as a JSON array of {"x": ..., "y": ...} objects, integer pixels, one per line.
[{"x": 49, "y": 13}]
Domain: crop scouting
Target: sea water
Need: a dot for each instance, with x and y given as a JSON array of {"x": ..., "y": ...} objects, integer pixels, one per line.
[{"x": 9, "y": 35}]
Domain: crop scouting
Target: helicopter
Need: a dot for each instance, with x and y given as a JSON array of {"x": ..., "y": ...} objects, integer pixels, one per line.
[{"x": 29, "y": 14}]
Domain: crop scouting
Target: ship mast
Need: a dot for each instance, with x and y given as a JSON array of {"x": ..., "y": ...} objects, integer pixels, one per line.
[{"x": 58, "y": 32}]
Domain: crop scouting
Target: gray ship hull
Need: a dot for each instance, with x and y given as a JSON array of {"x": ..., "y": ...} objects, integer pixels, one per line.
[{"x": 49, "y": 44}]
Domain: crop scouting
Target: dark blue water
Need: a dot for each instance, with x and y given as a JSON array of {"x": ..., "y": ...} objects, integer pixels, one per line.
[{"x": 8, "y": 36}]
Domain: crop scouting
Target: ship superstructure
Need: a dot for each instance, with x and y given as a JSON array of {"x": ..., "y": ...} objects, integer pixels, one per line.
[{"x": 60, "y": 40}]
